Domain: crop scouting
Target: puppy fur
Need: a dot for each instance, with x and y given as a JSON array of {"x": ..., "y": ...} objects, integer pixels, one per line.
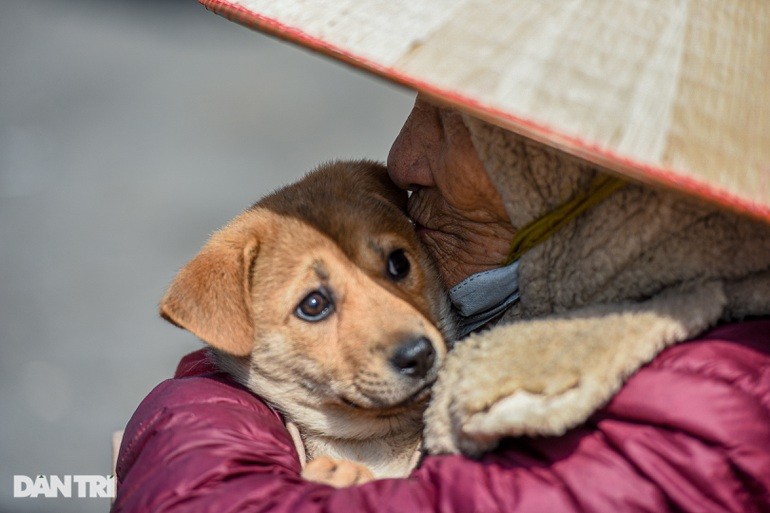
[{"x": 337, "y": 244}]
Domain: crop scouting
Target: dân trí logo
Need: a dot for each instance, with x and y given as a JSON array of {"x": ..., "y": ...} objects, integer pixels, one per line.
[{"x": 64, "y": 486}]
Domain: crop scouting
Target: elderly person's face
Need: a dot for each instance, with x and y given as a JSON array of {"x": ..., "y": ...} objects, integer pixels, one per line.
[{"x": 458, "y": 214}]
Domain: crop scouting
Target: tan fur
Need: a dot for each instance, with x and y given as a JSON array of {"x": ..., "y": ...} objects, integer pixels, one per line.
[
  {"x": 559, "y": 369},
  {"x": 332, "y": 378},
  {"x": 645, "y": 269}
]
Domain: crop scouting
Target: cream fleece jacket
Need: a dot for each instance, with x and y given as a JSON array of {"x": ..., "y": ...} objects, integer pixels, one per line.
[{"x": 642, "y": 270}]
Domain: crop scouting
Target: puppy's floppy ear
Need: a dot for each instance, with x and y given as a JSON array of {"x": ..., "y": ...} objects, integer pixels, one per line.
[{"x": 211, "y": 295}]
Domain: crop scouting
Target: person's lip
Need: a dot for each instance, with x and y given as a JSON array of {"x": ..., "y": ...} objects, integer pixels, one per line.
[
  {"x": 419, "y": 227},
  {"x": 422, "y": 230}
]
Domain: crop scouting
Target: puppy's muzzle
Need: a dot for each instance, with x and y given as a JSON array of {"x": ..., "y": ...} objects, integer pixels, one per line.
[{"x": 414, "y": 358}]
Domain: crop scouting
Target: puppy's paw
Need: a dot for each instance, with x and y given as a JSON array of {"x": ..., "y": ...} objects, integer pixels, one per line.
[{"x": 337, "y": 473}]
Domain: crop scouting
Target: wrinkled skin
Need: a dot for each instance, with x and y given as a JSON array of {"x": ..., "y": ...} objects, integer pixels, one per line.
[{"x": 459, "y": 215}]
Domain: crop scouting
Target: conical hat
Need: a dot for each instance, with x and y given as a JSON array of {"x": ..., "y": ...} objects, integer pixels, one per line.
[{"x": 669, "y": 92}]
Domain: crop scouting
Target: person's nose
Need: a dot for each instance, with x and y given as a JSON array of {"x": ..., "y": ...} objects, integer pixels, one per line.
[{"x": 413, "y": 153}]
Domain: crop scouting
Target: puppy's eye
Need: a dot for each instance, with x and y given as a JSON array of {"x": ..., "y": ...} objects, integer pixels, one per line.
[
  {"x": 398, "y": 264},
  {"x": 315, "y": 307}
]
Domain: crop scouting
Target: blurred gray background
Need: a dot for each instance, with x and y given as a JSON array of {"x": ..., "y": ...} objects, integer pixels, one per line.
[{"x": 129, "y": 131}]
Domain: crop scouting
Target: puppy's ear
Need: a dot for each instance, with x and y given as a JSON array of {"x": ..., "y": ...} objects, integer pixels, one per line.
[
  {"x": 211, "y": 295},
  {"x": 382, "y": 186}
]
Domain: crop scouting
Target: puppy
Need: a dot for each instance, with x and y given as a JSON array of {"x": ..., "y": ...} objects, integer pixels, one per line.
[{"x": 320, "y": 300}]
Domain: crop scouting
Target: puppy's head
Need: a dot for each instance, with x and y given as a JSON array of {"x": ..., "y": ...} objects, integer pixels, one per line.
[{"x": 321, "y": 300}]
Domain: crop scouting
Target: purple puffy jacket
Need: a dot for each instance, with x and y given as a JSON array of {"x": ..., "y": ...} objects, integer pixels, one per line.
[{"x": 688, "y": 432}]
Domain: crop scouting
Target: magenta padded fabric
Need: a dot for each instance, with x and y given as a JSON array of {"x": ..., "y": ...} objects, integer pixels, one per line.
[{"x": 688, "y": 432}]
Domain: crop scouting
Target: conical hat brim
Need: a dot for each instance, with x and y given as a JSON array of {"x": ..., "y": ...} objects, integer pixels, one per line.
[{"x": 673, "y": 93}]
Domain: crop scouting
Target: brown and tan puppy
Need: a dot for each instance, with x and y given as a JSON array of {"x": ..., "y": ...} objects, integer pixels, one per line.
[{"x": 320, "y": 300}]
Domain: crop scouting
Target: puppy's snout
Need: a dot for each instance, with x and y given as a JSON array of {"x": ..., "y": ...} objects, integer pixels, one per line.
[{"x": 414, "y": 358}]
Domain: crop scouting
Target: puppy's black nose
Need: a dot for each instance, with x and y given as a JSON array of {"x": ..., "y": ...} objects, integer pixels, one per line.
[{"x": 414, "y": 358}]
